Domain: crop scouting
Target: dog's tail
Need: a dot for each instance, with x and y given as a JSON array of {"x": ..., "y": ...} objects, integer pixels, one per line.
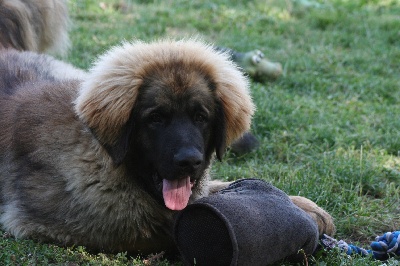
[{"x": 34, "y": 25}]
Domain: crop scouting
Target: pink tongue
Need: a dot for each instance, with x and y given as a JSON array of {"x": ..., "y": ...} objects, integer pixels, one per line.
[{"x": 176, "y": 193}]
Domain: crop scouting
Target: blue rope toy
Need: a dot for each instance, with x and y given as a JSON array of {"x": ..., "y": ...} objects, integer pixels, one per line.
[{"x": 382, "y": 248}]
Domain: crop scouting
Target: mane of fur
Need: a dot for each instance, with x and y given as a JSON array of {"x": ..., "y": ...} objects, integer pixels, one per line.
[{"x": 108, "y": 95}]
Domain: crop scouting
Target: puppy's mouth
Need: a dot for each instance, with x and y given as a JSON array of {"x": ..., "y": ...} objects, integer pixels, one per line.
[{"x": 176, "y": 192}]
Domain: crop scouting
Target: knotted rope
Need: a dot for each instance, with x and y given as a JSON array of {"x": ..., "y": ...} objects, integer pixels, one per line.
[{"x": 382, "y": 248}]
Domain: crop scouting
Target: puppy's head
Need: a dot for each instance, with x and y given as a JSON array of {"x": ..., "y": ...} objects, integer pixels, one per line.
[{"x": 174, "y": 102}]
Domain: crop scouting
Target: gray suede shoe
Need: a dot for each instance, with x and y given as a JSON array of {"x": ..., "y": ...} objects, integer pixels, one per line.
[{"x": 249, "y": 223}]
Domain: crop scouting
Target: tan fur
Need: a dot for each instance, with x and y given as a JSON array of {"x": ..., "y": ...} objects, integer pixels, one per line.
[
  {"x": 108, "y": 95},
  {"x": 34, "y": 25},
  {"x": 320, "y": 216}
]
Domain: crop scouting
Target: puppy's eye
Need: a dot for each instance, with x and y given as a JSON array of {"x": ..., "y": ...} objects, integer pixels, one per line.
[
  {"x": 200, "y": 117},
  {"x": 156, "y": 118}
]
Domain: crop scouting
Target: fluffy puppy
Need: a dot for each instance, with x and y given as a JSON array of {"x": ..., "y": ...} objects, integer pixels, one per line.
[{"x": 105, "y": 159}]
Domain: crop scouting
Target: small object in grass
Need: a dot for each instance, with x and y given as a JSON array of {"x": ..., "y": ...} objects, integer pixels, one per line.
[
  {"x": 386, "y": 245},
  {"x": 254, "y": 64},
  {"x": 259, "y": 67},
  {"x": 382, "y": 248},
  {"x": 247, "y": 143}
]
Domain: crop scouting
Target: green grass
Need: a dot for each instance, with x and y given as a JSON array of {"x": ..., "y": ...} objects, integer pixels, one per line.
[{"x": 329, "y": 128}]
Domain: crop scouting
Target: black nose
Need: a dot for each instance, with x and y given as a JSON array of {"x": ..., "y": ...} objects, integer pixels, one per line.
[{"x": 188, "y": 159}]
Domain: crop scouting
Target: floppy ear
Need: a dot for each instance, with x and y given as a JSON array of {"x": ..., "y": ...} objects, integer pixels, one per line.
[
  {"x": 220, "y": 132},
  {"x": 119, "y": 149},
  {"x": 106, "y": 108},
  {"x": 106, "y": 99}
]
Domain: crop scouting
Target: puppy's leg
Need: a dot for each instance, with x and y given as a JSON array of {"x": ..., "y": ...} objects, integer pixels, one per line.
[
  {"x": 216, "y": 185},
  {"x": 323, "y": 219}
]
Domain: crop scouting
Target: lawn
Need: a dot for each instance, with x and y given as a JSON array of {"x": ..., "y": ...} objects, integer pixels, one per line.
[{"x": 329, "y": 127}]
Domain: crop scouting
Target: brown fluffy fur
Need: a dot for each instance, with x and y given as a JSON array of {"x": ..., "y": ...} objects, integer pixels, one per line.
[{"x": 34, "y": 25}]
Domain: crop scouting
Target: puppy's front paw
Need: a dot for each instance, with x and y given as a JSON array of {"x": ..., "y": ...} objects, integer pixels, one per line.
[{"x": 323, "y": 219}]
